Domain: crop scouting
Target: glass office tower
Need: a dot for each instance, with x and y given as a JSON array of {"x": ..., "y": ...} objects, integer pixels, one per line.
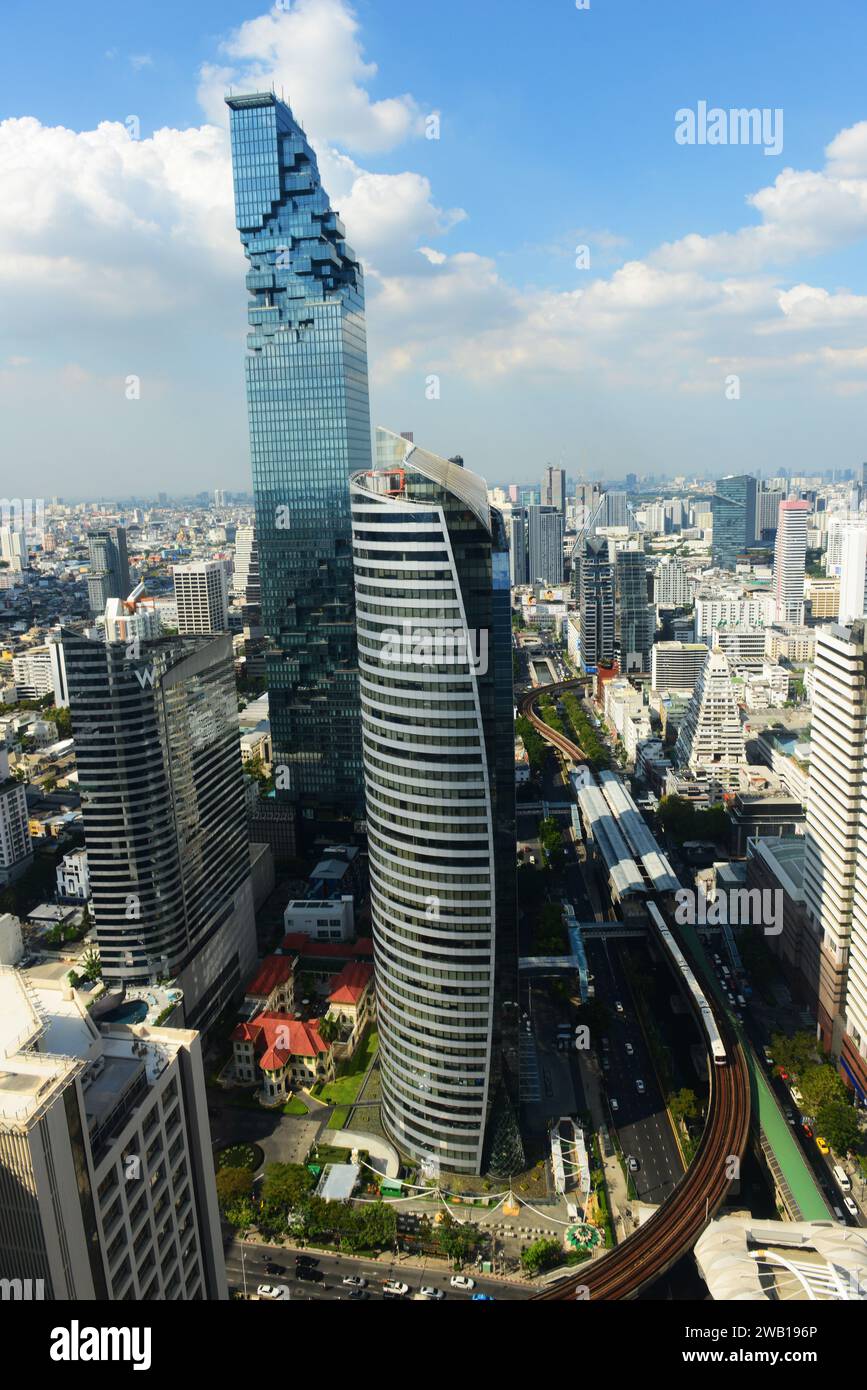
[
  {"x": 309, "y": 430},
  {"x": 108, "y": 576},
  {"x": 435, "y": 655},
  {"x": 734, "y": 519}
]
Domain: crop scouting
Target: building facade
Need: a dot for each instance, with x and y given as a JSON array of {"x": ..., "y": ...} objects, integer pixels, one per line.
[
  {"x": 108, "y": 575},
  {"x": 432, "y": 598},
  {"x": 596, "y": 603},
  {"x": 309, "y": 422},
  {"x": 790, "y": 555},
  {"x": 201, "y": 596},
  {"x": 157, "y": 748},
  {"x": 545, "y": 545},
  {"x": 734, "y": 519}
]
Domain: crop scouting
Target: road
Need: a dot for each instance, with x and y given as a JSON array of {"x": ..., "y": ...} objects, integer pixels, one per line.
[
  {"x": 641, "y": 1121},
  {"x": 337, "y": 1267}
]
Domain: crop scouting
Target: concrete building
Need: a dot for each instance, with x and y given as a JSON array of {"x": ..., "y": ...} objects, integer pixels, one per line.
[
  {"x": 636, "y": 620},
  {"x": 731, "y": 610},
  {"x": 33, "y": 674},
  {"x": 790, "y": 555},
  {"x": 554, "y": 489},
  {"x": 753, "y": 1259},
  {"x": 744, "y": 646},
  {"x": 107, "y": 1187},
  {"x": 545, "y": 532},
  {"x": 323, "y": 919},
  {"x": 16, "y": 848},
  {"x": 13, "y": 548},
  {"x": 671, "y": 587},
  {"x": 519, "y": 562},
  {"x": 597, "y": 603},
  {"x": 73, "y": 881},
  {"x": 201, "y": 595},
  {"x": 108, "y": 576},
  {"x": 824, "y": 596},
  {"x": 677, "y": 665},
  {"x": 711, "y": 736},
  {"x": 835, "y": 868}
]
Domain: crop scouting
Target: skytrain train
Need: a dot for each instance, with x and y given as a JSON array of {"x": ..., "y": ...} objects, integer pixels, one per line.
[{"x": 708, "y": 1021}]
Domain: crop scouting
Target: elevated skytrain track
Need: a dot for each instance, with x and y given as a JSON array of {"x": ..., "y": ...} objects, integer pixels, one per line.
[{"x": 675, "y": 1227}]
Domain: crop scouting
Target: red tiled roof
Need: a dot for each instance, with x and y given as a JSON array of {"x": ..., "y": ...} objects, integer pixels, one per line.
[
  {"x": 350, "y": 984},
  {"x": 282, "y": 1036},
  {"x": 274, "y": 971}
]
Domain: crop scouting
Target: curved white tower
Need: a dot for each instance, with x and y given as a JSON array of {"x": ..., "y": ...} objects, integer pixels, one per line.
[{"x": 434, "y": 646}]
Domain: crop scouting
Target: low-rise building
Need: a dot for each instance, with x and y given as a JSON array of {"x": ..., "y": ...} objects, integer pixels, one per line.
[
  {"x": 282, "y": 1053},
  {"x": 73, "y": 881}
]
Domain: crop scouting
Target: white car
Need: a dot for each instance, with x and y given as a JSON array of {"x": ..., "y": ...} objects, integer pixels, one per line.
[
  {"x": 462, "y": 1281},
  {"x": 615, "y": 1105},
  {"x": 393, "y": 1288},
  {"x": 851, "y": 1207},
  {"x": 618, "y": 1007},
  {"x": 355, "y": 1281},
  {"x": 430, "y": 1292},
  {"x": 639, "y": 1086},
  {"x": 630, "y": 1050},
  {"x": 274, "y": 1291}
]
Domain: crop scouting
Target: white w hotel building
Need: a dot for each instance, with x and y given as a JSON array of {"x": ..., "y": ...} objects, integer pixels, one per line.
[
  {"x": 835, "y": 866},
  {"x": 107, "y": 1186}
]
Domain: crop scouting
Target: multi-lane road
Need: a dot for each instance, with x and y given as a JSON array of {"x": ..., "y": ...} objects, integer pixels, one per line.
[{"x": 245, "y": 1267}]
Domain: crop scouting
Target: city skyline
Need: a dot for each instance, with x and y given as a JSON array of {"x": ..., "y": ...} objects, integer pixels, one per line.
[{"x": 775, "y": 291}]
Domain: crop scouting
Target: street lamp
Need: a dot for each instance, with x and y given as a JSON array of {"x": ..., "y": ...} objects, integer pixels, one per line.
[{"x": 244, "y": 1269}]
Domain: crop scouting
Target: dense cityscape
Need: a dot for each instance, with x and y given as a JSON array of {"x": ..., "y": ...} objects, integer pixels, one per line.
[{"x": 419, "y": 883}]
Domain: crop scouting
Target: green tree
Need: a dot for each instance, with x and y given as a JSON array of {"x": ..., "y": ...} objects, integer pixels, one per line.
[
  {"x": 684, "y": 1105},
  {"x": 676, "y": 815},
  {"x": 837, "y": 1122},
  {"x": 819, "y": 1085},
  {"x": 233, "y": 1185},
  {"x": 793, "y": 1054},
  {"x": 91, "y": 965},
  {"x": 542, "y": 1254},
  {"x": 456, "y": 1241},
  {"x": 378, "y": 1225},
  {"x": 329, "y": 1028},
  {"x": 285, "y": 1185}
]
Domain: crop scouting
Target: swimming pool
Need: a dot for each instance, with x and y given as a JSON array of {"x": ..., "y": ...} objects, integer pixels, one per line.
[{"x": 134, "y": 1011}]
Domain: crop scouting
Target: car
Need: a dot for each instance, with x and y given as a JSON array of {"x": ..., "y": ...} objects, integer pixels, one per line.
[
  {"x": 615, "y": 1105},
  {"x": 806, "y": 1128},
  {"x": 768, "y": 1057},
  {"x": 307, "y": 1274},
  {"x": 483, "y": 1298},
  {"x": 717, "y": 960},
  {"x": 462, "y": 1281},
  {"x": 796, "y": 1095},
  {"x": 271, "y": 1268},
  {"x": 358, "y": 1293},
  {"x": 305, "y": 1260},
  {"x": 850, "y": 1207},
  {"x": 630, "y": 1050},
  {"x": 393, "y": 1288},
  {"x": 274, "y": 1291},
  {"x": 355, "y": 1281},
  {"x": 606, "y": 1063},
  {"x": 634, "y": 1165},
  {"x": 605, "y": 1044},
  {"x": 618, "y": 1007},
  {"x": 838, "y": 1213},
  {"x": 430, "y": 1292},
  {"x": 639, "y": 1086},
  {"x": 790, "y": 1116},
  {"x": 783, "y": 1075},
  {"x": 822, "y": 1145}
]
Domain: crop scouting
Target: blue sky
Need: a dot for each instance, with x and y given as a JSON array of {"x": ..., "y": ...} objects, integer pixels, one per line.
[{"x": 556, "y": 130}]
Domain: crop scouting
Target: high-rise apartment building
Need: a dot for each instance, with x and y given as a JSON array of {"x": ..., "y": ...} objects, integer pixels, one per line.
[
  {"x": 767, "y": 512},
  {"x": 790, "y": 555},
  {"x": 734, "y": 519},
  {"x": 671, "y": 585},
  {"x": 309, "y": 430},
  {"x": 13, "y": 548},
  {"x": 545, "y": 545},
  {"x": 711, "y": 738},
  {"x": 850, "y": 566},
  {"x": 554, "y": 488},
  {"x": 159, "y": 766},
  {"x": 519, "y": 560},
  {"x": 636, "y": 619},
  {"x": 16, "y": 849},
  {"x": 596, "y": 603},
  {"x": 202, "y": 597},
  {"x": 434, "y": 639},
  {"x": 246, "y": 581},
  {"x": 108, "y": 575},
  {"x": 677, "y": 665},
  {"x": 107, "y": 1187},
  {"x": 835, "y": 864}
]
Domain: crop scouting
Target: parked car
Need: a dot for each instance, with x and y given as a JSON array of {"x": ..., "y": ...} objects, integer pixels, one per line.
[
  {"x": 462, "y": 1281},
  {"x": 275, "y": 1291},
  {"x": 850, "y": 1207},
  {"x": 634, "y": 1165},
  {"x": 639, "y": 1086}
]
